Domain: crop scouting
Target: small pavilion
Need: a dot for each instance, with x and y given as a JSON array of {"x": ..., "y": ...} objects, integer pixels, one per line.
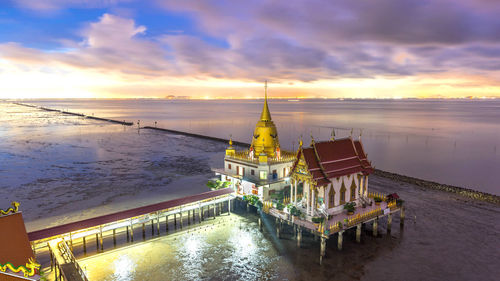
[{"x": 331, "y": 174}]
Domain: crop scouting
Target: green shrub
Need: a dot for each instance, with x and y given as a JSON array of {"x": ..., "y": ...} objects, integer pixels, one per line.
[
  {"x": 377, "y": 199},
  {"x": 318, "y": 219},
  {"x": 350, "y": 207},
  {"x": 280, "y": 206}
]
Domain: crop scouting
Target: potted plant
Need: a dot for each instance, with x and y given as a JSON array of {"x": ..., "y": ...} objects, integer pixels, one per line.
[
  {"x": 377, "y": 200},
  {"x": 350, "y": 207},
  {"x": 280, "y": 206}
]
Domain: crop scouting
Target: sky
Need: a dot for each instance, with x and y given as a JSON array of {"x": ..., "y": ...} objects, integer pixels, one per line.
[{"x": 227, "y": 49}]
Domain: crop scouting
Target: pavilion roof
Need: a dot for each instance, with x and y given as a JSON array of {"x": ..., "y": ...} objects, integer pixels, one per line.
[{"x": 331, "y": 159}]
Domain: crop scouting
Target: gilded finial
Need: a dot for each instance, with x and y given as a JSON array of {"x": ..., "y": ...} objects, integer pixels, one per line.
[
  {"x": 332, "y": 138},
  {"x": 230, "y": 140},
  {"x": 300, "y": 141}
]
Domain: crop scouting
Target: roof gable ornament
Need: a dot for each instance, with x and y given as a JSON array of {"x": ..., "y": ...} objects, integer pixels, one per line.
[
  {"x": 360, "y": 133},
  {"x": 312, "y": 139},
  {"x": 332, "y": 138}
]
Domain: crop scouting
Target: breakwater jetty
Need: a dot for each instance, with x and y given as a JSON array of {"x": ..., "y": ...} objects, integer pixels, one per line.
[
  {"x": 77, "y": 114},
  {"x": 466, "y": 192}
]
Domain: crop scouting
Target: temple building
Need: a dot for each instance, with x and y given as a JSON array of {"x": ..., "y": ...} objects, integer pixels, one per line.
[
  {"x": 330, "y": 174},
  {"x": 263, "y": 168}
]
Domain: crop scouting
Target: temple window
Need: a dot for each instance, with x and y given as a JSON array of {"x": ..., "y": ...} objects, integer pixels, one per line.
[
  {"x": 229, "y": 166},
  {"x": 252, "y": 172},
  {"x": 342, "y": 193},
  {"x": 331, "y": 198},
  {"x": 263, "y": 175},
  {"x": 353, "y": 190}
]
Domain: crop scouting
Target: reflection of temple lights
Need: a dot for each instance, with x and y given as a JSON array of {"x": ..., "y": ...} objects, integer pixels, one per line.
[
  {"x": 192, "y": 245},
  {"x": 124, "y": 267},
  {"x": 244, "y": 244}
]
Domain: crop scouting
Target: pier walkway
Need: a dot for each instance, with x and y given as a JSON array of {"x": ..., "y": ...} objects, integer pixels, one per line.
[{"x": 59, "y": 239}]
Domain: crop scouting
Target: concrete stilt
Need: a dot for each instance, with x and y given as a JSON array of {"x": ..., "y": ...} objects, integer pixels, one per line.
[
  {"x": 70, "y": 244},
  {"x": 166, "y": 223},
  {"x": 100, "y": 235},
  {"x": 97, "y": 241},
  {"x": 144, "y": 231},
  {"x": 194, "y": 215},
  {"x": 389, "y": 223},
  {"x": 128, "y": 234},
  {"x": 402, "y": 216},
  {"x": 175, "y": 221},
  {"x": 322, "y": 251},
  {"x": 339, "y": 242},
  {"x": 278, "y": 228},
  {"x": 114, "y": 237},
  {"x": 260, "y": 224},
  {"x": 375, "y": 227},
  {"x": 215, "y": 210},
  {"x": 180, "y": 219},
  {"x": 200, "y": 215},
  {"x": 131, "y": 232},
  {"x": 152, "y": 228},
  {"x": 248, "y": 207},
  {"x": 189, "y": 217},
  {"x": 84, "y": 245},
  {"x": 157, "y": 224},
  {"x": 299, "y": 236},
  {"x": 358, "y": 233}
]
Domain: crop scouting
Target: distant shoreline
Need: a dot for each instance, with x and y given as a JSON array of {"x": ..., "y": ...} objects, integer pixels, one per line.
[{"x": 466, "y": 192}]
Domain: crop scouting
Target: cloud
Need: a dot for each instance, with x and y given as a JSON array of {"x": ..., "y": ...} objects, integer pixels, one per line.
[{"x": 111, "y": 44}]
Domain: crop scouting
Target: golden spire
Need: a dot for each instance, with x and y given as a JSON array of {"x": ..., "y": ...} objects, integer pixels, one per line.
[
  {"x": 265, "y": 115},
  {"x": 230, "y": 141},
  {"x": 332, "y": 138}
]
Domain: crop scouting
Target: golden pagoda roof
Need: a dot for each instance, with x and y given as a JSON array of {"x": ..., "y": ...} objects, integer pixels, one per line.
[{"x": 265, "y": 137}]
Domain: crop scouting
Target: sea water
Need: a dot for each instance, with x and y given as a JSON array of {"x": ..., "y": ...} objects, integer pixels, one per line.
[{"x": 455, "y": 142}]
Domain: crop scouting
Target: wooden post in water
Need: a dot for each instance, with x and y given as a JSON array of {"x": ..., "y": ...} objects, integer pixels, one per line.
[
  {"x": 402, "y": 216},
  {"x": 375, "y": 227},
  {"x": 339, "y": 242},
  {"x": 358, "y": 233},
  {"x": 322, "y": 250},
  {"x": 389, "y": 222}
]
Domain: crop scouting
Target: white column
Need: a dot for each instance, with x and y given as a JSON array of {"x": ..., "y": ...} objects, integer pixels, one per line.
[
  {"x": 366, "y": 186},
  {"x": 291, "y": 192},
  {"x": 313, "y": 202},
  {"x": 306, "y": 187}
]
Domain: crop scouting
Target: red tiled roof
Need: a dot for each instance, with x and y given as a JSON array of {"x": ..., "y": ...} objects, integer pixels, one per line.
[
  {"x": 331, "y": 159},
  {"x": 92, "y": 222}
]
